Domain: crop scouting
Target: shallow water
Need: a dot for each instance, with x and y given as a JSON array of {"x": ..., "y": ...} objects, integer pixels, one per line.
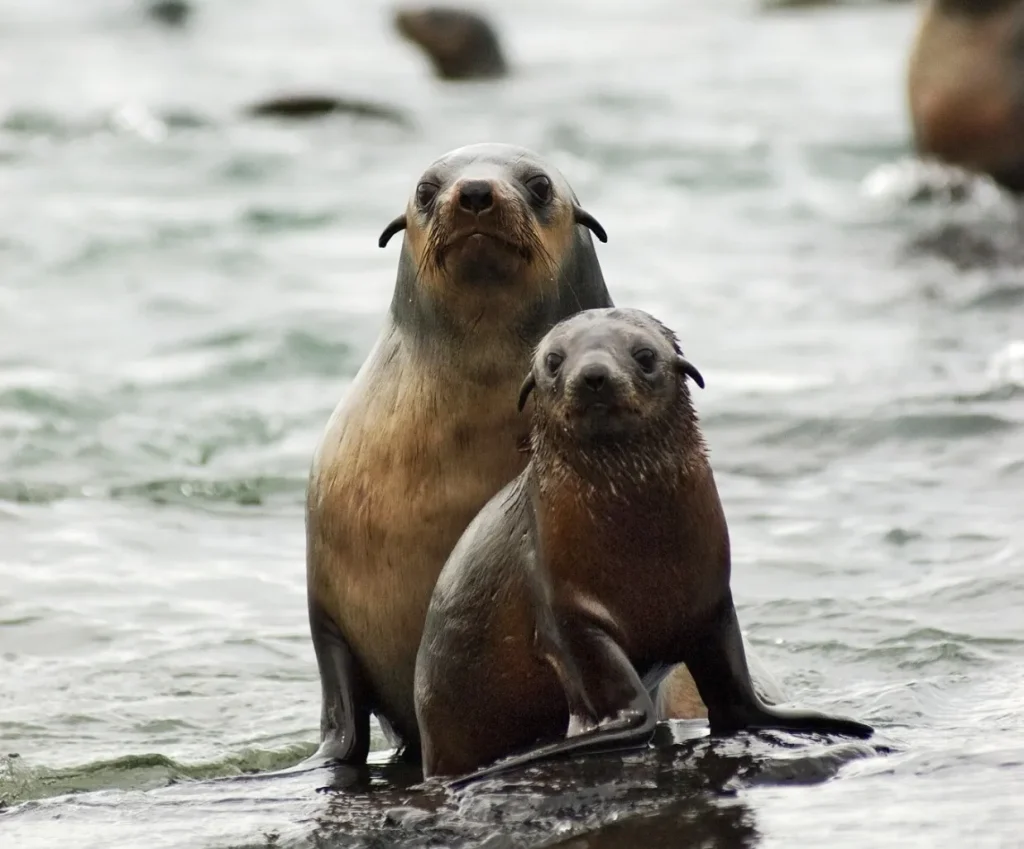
[{"x": 186, "y": 294}]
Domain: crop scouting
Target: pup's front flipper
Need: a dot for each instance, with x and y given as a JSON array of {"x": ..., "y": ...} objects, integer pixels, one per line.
[
  {"x": 609, "y": 708},
  {"x": 719, "y": 666}
]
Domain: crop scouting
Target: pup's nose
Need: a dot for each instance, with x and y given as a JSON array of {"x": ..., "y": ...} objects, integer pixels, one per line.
[
  {"x": 594, "y": 377},
  {"x": 476, "y": 196}
]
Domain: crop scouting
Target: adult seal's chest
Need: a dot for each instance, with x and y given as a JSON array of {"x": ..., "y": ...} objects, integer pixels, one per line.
[{"x": 406, "y": 462}]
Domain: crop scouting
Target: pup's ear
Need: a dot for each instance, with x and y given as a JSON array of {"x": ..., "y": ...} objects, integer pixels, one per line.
[
  {"x": 526, "y": 389},
  {"x": 684, "y": 366},
  {"x": 396, "y": 226}
]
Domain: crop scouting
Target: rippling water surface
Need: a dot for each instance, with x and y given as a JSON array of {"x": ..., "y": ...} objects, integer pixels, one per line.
[{"x": 186, "y": 294}]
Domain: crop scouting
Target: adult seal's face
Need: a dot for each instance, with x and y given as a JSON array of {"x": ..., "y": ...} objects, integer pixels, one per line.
[
  {"x": 487, "y": 230},
  {"x": 605, "y": 375}
]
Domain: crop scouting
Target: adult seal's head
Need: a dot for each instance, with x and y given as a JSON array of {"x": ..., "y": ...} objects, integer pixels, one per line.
[
  {"x": 966, "y": 86},
  {"x": 490, "y": 230},
  {"x": 495, "y": 250},
  {"x": 461, "y": 45}
]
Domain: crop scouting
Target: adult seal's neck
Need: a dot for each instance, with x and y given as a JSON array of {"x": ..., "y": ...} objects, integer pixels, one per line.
[
  {"x": 432, "y": 323},
  {"x": 511, "y": 318}
]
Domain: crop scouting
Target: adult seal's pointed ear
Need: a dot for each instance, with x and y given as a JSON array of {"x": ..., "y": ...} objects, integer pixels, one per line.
[
  {"x": 684, "y": 366},
  {"x": 396, "y": 226},
  {"x": 524, "y": 391},
  {"x": 587, "y": 220}
]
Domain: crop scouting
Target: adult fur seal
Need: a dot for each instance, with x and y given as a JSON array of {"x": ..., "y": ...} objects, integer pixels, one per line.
[
  {"x": 966, "y": 86},
  {"x": 461, "y": 45},
  {"x": 603, "y": 564},
  {"x": 496, "y": 250}
]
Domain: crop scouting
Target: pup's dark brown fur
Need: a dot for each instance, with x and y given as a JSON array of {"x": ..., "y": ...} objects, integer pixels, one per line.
[{"x": 602, "y": 566}]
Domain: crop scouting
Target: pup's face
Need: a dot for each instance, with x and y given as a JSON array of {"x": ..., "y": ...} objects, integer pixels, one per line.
[{"x": 608, "y": 374}]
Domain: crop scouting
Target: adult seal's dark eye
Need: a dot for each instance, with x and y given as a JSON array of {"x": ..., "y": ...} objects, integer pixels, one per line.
[
  {"x": 645, "y": 359},
  {"x": 553, "y": 362},
  {"x": 540, "y": 188},
  {"x": 425, "y": 194}
]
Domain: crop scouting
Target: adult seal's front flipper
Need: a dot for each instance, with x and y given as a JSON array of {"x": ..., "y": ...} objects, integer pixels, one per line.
[
  {"x": 345, "y": 712},
  {"x": 609, "y": 707},
  {"x": 719, "y": 667}
]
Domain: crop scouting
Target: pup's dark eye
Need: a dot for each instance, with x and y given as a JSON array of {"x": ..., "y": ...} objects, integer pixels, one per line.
[
  {"x": 425, "y": 194},
  {"x": 645, "y": 359},
  {"x": 553, "y": 361},
  {"x": 540, "y": 188}
]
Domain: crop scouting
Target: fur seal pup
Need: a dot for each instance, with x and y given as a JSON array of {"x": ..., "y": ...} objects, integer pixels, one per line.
[
  {"x": 495, "y": 251},
  {"x": 461, "y": 45},
  {"x": 965, "y": 84},
  {"x": 600, "y": 567}
]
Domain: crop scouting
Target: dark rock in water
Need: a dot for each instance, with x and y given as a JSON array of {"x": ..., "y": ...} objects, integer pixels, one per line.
[
  {"x": 172, "y": 13},
  {"x": 684, "y": 789},
  {"x": 461, "y": 45},
  {"x": 680, "y": 791},
  {"x": 681, "y": 824},
  {"x": 309, "y": 106}
]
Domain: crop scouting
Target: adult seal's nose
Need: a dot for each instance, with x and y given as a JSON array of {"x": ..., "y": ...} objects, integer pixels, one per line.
[{"x": 476, "y": 196}]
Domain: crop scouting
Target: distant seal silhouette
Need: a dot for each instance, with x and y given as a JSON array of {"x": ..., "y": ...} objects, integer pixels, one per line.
[
  {"x": 171, "y": 13},
  {"x": 461, "y": 45},
  {"x": 306, "y": 106},
  {"x": 496, "y": 250},
  {"x": 965, "y": 85},
  {"x": 602, "y": 565}
]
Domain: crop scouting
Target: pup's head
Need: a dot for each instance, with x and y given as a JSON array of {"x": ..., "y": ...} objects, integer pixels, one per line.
[{"x": 609, "y": 375}]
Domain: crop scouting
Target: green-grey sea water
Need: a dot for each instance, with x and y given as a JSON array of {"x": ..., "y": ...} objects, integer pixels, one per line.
[{"x": 185, "y": 294}]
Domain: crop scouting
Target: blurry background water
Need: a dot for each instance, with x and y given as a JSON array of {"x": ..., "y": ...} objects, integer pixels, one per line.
[{"x": 185, "y": 294}]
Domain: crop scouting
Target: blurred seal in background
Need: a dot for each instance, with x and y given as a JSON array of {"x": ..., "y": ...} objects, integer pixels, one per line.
[
  {"x": 966, "y": 86},
  {"x": 461, "y": 45}
]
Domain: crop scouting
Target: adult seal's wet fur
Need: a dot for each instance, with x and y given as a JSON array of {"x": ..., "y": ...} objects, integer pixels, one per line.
[
  {"x": 496, "y": 250},
  {"x": 601, "y": 566},
  {"x": 966, "y": 86}
]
